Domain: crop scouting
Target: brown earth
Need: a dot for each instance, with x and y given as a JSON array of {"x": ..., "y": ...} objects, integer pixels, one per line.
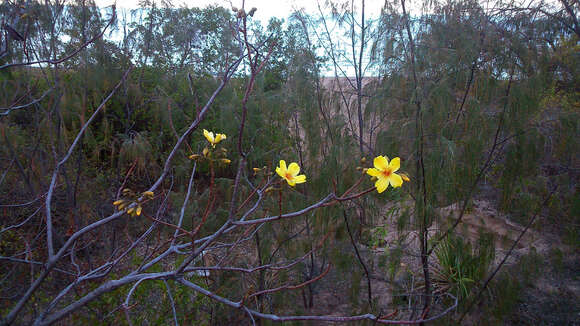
[{"x": 553, "y": 298}]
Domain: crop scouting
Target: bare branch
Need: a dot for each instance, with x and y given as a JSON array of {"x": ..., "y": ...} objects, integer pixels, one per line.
[
  {"x": 6, "y": 111},
  {"x": 49, "y": 231}
]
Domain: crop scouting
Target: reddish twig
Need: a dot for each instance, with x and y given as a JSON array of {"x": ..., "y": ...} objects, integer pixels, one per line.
[
  {"x": 292, "y": 287},
  {"x": 168, "y": 224}
]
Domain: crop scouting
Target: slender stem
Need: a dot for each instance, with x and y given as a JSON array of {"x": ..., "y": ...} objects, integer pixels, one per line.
[{"x": 360, "y": 260}]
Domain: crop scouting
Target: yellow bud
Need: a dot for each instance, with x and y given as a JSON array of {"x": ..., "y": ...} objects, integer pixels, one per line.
[
  {"x": 225, "y": 161},
  {"x": 126, "y": 190},
  {"x": 138, "y": 210},
  {"x": 364, "y": 171},
  {"x": 405, "y": 177},
  {"x": 118, "y": 202},
  {"x": 363, "y": 160},
  {"x": 149, "y": 194},
  {"x": 123, "y": 205},
  {"x": 205, "y": 152},
  {"x": 194, "y": 156},
  {"x": 130, "y": 211}
]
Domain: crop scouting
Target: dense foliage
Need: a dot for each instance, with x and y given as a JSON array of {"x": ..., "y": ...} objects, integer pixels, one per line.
[{"x": 479, "y": 103}]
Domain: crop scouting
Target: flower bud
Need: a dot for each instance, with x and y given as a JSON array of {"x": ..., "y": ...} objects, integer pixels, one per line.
[{"x": 123, "y": 205}]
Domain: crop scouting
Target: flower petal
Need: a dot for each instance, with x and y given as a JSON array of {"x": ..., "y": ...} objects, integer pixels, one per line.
[
  {"x": 219, "y": 137},
  {"x": 381, "y": 184},
  {"x": 294, "y": 169},
  {"x": 395, "y": 164},
  {"x": 281, "y": 170},
  {"x": 395, "y": 180},
  {"x": 373, "y": 172},
  {"x": 381, "y": 163},
  {"x": 300, "y": 178},
  {"x": 208, "y": 135},
  {"x": 291, "y": 182}
]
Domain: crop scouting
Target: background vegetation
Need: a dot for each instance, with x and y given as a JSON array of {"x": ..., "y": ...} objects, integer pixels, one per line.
[{"x": 480, "y": 101}]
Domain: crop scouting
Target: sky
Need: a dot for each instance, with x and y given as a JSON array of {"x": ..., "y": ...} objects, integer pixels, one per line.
[{"x": 266, "y": 8}]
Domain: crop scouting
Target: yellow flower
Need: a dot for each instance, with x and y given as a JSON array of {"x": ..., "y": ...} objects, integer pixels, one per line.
[
  {"x": 213, "y": 140},
  {"x": 290, "y": 174},
  {"x": 385, "y": 172}
]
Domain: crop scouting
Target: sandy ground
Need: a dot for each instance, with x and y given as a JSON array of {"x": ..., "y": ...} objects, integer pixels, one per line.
[{"x": 552, "y": 299}]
